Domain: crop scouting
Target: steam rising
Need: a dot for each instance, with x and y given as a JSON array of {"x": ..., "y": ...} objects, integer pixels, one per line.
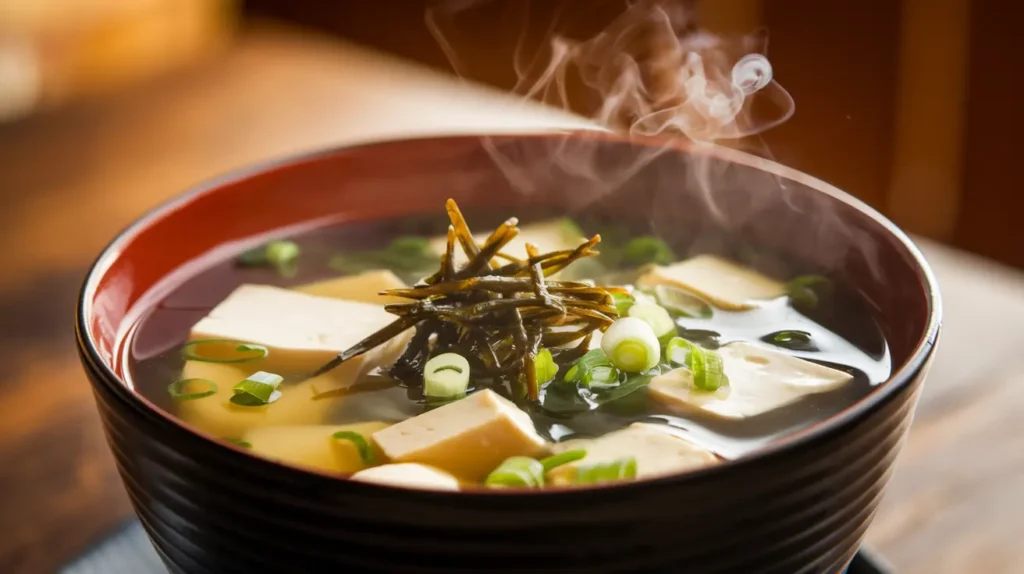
[{"x": 650, "y": 70}]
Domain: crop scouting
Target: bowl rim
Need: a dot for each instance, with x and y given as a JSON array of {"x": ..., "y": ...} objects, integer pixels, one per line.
[{"x": 898, "y": 379}]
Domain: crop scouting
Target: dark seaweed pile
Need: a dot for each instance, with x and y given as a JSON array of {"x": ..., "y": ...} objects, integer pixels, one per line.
[{"x": 498, "y": 310}]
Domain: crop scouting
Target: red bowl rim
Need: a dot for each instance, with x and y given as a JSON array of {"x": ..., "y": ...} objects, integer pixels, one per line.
[{"x": 874, "y": 399}]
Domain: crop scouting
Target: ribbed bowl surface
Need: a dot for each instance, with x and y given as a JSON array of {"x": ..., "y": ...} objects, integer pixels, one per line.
[{"x": 801, "y": 506}]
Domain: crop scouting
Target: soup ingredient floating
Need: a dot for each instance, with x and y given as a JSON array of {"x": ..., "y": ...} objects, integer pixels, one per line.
[
  {"x": 408, "y": 475},
  {"x": 467, "y": 438},
  {"x": 724, "y": 283},
  {"x": 653, "y": 451},
  {"x": 760, "y": 380},
  {"x": 498, "y": 307}
]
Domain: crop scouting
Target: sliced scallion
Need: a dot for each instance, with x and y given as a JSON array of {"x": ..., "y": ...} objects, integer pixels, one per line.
[
  {"x": 622, "y": 302},
  {"x": 545, "y": 367},
  {"x": 707, "y": 368},
  {"x": 280, "y": 253},
  {"x": 517, "y": 471},
  {"x": 223, "y": 351},
  {"x": 409, "y": 246},
  {"x": 559, "y": 459},
  {"x": 362, "y": 445},
  {"x": 619, "y": 469},
  {"x": 446, "y": 376},
  {"x": 183, "y": 390},
  {"x": 678, "y": 350},
  {"x": 631, "y": 345},
  {"x": 405, "y": 254},
  {"x": 648, "y": 249},
  {"x": 258, "y": 389},
  {"x": 705, "y": 365},
  {"x": 592, "y": 367},
  {"x": 655, "y": 316}
]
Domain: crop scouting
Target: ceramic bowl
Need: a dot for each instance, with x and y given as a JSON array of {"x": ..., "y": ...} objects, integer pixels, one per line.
[{"x": 802, "y": 504}]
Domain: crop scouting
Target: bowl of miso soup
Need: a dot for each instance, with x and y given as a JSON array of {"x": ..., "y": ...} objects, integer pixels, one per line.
[{"x": 550, "y": 352}]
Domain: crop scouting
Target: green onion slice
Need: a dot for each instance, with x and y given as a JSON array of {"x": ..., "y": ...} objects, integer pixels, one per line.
[
  {"x": 631, "y": 345},
  {"x": 545, "y": 366},
  {"x": 259, "y": 389},
  {"x": 678, "y": 350},
  {"x": 223, "y": 351},
  {"x": 655, "y": 316},
  {"x": 445, "y": 376},
  {"x": 705, "y": 364},
  {"x": 623, "y": 302},
  {"x": 238, "y": 441},
  {"x": 362, "y": 445},
  {"x": 552, "y": 462},
  {"x": 182, "y": 390},
  {"x": 592, "y": 367},
  {"x": 620, "y": 469},
  {"x": 648, "y": 249},
  {"x": 410, "y": 246},
  {"x": 281, "y": 253},
  {"x": 517, "y": 471},
  {"x": 677, "y": 301}
]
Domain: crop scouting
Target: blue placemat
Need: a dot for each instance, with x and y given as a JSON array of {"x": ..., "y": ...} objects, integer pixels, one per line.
[{"x": 127, "y": 550}]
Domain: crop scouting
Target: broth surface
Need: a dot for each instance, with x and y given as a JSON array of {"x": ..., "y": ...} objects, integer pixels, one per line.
[{"x": 843, "y": 335}]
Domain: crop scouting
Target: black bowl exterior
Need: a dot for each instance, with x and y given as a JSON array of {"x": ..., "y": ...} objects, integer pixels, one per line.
[
  {"x": 801, "y": 506},
  {"x": 210, "y": 509}
]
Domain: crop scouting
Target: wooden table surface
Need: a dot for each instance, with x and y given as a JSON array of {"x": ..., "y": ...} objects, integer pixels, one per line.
[{"x": 70, "y": 180}]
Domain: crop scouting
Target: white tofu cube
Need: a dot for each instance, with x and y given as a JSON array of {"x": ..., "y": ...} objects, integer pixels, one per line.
[
  {"x": 365, "y": 287},
  {"x": 722, "y": 283},
  {"x": 760, "y": 380},
  {"x": 314, "y": 446},
  {"x": 302, "y": 332},
  {"x": 467, "y": 438},
  {"x": 657, "y": 452},
  {"x": 408, "y": 475}
]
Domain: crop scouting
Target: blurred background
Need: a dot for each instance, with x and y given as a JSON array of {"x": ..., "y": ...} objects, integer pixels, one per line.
[{"x": 108, "y": 107}]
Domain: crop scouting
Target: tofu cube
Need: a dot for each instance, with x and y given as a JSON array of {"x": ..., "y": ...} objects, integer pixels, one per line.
[
  {"x": 408, "y": 475},
  {"x": 302, "y": 332},
  {"x": 221, "y": 418},
  {"x": 657, "y": 452},
  {"x": 467, "y": 438},
  {"x": 314, "y": 446},
  {"x": 364, "y": 287},
  {"x": 760, "y": 380},
  {"x": 722, "y": 283}
]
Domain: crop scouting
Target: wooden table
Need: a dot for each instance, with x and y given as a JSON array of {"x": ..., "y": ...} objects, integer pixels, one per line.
[{"x": 69, "y": 181}]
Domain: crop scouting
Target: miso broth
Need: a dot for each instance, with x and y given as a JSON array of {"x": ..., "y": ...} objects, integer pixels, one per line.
[{"x": 606, "y": 425}]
